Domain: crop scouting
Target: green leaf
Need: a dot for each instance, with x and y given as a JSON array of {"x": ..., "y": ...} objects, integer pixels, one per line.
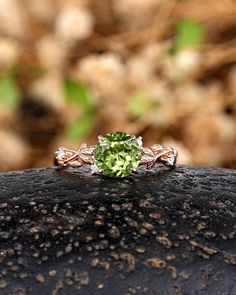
[
  {"x": 139, "y": 104},
  {"x": 9, "y": 91},
  {"x": 189, "y": 33},
  {"x": 78, "y": 94},
  {"x": 80, "y": 127}
]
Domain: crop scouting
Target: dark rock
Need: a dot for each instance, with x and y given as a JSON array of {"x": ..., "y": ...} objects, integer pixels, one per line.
[{"x": 156, "y": 232}]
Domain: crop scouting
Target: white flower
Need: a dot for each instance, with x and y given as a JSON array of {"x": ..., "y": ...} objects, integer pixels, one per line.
[
  {"x": 74, "y": 23},
  {"x": 13, "y": 20},
  {"x": 187, "y": 61},
  {"x": 49, "y": 90},
  {"x": 138, "y": 71},
  {"x": 9, "y": 52},
  {"x": 106, "y": 73},
  {"x": 51, "y": 52},
  {"x": 142, "y": 67}
]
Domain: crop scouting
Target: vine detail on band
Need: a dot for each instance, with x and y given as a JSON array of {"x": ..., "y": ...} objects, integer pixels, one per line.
[
  {"x": 84, "y": 155},
  {"x": 66, "y": 157},
  {"x": 158, "y": 153}
]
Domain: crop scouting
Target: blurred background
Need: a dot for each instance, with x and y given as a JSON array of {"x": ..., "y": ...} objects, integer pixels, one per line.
[{"x": 73, "y": 69}]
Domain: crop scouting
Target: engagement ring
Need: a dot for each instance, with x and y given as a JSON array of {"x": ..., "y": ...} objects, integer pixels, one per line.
[{"x": 116, "y": 154}]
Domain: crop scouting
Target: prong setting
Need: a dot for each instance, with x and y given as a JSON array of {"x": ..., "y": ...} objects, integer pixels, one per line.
[{"x": 140, "y": 141}]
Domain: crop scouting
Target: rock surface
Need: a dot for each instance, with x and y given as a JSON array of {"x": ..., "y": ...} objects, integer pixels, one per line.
[{"x": 159, "y": 232}]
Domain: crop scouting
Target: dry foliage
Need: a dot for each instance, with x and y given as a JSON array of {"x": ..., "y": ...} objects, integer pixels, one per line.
[{"x": 125, "y": 62}]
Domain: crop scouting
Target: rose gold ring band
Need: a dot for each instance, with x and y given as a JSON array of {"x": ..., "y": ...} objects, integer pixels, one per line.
[{"x": 84, "y": 155}]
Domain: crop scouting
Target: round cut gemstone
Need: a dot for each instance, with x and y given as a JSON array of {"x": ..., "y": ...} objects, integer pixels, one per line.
[{"x": 117, "y": 154}]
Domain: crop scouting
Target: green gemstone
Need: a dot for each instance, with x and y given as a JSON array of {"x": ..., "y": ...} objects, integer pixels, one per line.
[{"x": 117, "y": 154}]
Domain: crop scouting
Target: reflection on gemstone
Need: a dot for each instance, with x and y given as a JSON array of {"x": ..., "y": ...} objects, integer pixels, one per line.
[{"x": 117, "y": 154}]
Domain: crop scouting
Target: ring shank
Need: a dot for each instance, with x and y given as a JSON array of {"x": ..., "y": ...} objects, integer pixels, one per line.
[{"x": 84, "y": 155}]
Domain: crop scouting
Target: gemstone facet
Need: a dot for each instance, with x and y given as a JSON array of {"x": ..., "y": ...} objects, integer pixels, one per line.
[{"x": 117, "y": 154}]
